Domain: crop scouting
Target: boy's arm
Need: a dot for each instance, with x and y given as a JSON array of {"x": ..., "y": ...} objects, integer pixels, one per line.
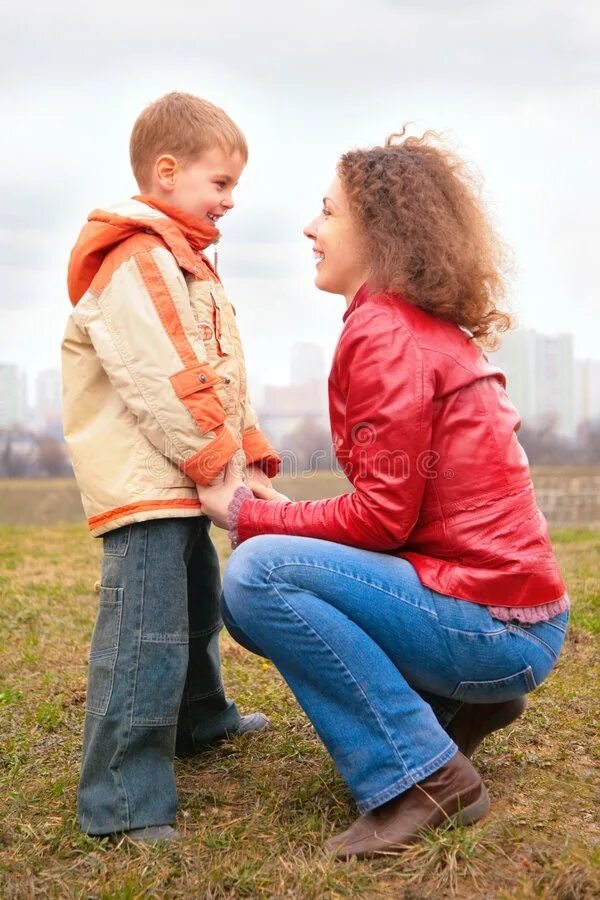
[
  {"x": 259, "y": 452},
  {"x": 143, "y": 329}
]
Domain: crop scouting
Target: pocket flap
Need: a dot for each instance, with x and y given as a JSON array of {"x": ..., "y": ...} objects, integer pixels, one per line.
[{"x": 196, "y": 378}]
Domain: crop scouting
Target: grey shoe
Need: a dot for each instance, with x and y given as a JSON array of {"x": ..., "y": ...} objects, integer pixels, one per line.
[
  {"x": 153, "y": 834},
  {"x": 254, "y": 722}
]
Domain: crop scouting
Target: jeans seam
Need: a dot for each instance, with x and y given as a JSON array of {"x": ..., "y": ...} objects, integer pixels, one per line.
[
  {"x": 216, "y": 627},
  {"x": 127, "y": 735},
  {"x": 381, "y": 724},
  {"x": 403, "y": 784},
  {"x": 516, "y": 631},
  {"x": 193, "y": 699},
  {"x": 370, "y": 584}
]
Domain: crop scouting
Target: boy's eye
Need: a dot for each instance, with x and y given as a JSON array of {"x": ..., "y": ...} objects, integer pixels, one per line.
[
  {"x": 220, "y": 184},
  {"x": 324, "y": 211}
]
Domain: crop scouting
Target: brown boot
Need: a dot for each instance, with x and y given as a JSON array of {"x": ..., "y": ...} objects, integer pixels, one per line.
[
  {"x": 455, "y": 793},
  {"x": 474, "y": 721}
]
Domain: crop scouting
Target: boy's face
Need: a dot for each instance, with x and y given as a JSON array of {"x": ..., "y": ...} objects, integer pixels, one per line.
[{"x": 204, "y": 187}]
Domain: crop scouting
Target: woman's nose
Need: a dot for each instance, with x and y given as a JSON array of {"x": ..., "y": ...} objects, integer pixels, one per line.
[{"x": 310, "y": 231}]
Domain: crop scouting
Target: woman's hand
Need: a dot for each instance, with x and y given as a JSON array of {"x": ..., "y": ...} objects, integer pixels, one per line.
[{"x": 262, "y": 492}]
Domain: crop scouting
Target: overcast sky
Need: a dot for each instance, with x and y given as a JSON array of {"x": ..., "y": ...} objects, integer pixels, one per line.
[{"x": 514, "y": 85}]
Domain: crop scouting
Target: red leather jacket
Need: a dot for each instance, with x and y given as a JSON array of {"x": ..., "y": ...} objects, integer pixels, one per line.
[{"x": 426, "y": 434}]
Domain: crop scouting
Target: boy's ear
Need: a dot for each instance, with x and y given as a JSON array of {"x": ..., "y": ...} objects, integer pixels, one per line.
[{"x": 166, "y": 170}]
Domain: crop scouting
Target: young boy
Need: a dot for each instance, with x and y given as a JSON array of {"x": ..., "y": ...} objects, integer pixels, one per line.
[{"x": 156, "y": 403}]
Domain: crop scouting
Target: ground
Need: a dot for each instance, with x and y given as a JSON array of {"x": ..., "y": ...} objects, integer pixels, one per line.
[{"x": 255, "y": 812}]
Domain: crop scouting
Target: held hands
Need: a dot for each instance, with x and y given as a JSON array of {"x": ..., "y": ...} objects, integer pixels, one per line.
[{"x": 215, "y": 499}]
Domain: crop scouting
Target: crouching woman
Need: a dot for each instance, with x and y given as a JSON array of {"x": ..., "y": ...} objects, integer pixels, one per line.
[{"x": 411, "y": 616}]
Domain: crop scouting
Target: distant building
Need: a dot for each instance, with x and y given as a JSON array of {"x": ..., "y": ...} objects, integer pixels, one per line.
[
  {"x": 48, "y": 400},
  {"x": 307, "y": 363},
  {"x": 540, "y": 374},
  {"x": 587, "y": 389},
  {"x": 285, "y": 406},
  {"x": 13, "y": 396}
]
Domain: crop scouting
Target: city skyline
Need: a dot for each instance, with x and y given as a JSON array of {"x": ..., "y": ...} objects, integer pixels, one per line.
[
  {"x": 514, "y": 87},
  {"x": 544, "y": 377}
]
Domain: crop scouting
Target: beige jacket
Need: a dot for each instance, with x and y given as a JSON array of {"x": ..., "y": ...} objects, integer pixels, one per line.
[{"x": 154, "y": 383}]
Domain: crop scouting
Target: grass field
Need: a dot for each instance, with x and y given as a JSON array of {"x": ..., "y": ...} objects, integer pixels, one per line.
[{"x": 255, "y": 812}]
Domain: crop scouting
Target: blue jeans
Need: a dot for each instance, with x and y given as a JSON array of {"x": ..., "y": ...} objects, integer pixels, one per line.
[
  {"x": 154, "y": 679},
  {"x": 378, "y": 662}
]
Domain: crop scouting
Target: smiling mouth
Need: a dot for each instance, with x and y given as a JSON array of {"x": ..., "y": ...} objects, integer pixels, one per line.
[
  {"x": 318, "y": 257},
  {"x": 214, "y": 219}
]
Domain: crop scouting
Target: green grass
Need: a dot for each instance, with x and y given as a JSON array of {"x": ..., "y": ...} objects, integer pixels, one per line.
[{"x": 255, "y": 812}]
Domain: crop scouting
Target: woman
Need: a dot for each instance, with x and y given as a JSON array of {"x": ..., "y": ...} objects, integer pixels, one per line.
[{"x": 409, "y": 617}]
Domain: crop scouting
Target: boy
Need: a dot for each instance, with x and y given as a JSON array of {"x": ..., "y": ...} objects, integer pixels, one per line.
[{"x": 155, "y": 403}]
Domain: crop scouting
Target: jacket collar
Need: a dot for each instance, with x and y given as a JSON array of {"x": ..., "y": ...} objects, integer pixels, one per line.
[
  {"x": 361, "y": 296},
  {"x": 198, "y": 234}
]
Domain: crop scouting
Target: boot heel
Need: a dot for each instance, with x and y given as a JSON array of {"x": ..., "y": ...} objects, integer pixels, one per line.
[{"x": 473, "y": 811}]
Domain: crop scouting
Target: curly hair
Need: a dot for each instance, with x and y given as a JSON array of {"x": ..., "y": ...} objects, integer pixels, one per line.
[{"x": 427, "y": 235}]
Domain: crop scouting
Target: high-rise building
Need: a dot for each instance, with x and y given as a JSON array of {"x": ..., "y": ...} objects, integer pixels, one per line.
[
  {"x": 587, "y": 390},
  {"x": 540, "y": 374},
  {"x": 307, "y": 363},
  {"x": 13, "y": 395},
  {"x": 48, "y": 397},
  {"x": 516, "y": 357}
]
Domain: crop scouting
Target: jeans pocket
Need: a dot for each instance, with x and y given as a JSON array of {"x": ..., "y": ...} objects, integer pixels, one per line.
[
  {"x": 104, "y": 650},
  {"x": 116, "y": 543},
  {"x": 498, "y": 690},
  {"x": 160, "y": 680}
]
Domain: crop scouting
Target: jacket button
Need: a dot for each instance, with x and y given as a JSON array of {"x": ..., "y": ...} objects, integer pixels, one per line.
[
  {"x": 202, "y": 378},
  {"x": 227, "y": 380}
]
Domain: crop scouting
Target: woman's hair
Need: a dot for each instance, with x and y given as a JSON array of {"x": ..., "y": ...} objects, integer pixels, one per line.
[{"x": 427, "y": 233}]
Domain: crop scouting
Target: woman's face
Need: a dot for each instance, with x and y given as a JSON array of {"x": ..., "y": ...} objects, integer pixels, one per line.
[{"x": 337, "y": 246}]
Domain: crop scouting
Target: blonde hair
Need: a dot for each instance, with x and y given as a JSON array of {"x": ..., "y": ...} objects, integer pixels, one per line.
[{"x": 184, "y": 126}]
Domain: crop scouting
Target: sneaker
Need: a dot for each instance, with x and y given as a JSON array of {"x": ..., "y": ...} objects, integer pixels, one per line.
[
  {"x": 152, "y": 834},
  {"x": 254, "y": 722}
]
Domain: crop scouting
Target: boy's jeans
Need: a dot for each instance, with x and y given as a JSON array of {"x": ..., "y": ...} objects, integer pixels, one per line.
[
  {"x": 378, "y": 662},
  {"x": 154, "y": 682}
]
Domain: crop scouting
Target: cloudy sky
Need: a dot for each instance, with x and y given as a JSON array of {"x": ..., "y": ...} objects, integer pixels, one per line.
[{"x": 514, "y": 86}]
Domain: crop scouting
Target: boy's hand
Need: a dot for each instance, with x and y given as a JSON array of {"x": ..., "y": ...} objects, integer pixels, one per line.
[
  {"x": 256, "y": 475},
  {"x": 215, "y": 498}
]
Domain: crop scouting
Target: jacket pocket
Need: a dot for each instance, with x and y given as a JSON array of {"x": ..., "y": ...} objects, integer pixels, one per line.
[
  {"x": 497, "y": 690},
  {"x": 104, "y": 650},
  {"x": 195, "y": 388}
]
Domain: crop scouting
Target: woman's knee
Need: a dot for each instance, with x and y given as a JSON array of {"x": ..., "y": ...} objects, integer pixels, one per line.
[{"x": 246, "y": 575}]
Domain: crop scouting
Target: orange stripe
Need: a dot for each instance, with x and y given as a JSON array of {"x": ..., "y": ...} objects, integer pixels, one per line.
[
  {"x": 204, "y": 467},
  {"x": 258, "y": 450},
  {"x": 137, "y": 243},
  {"x": 165, "y": 307},
  {"x": 112, "y": 514}
]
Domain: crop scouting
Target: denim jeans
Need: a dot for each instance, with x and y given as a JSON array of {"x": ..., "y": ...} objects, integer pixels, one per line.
[
  {"x": 154, "y": 679},
  {"x": 378, "y": 662}
]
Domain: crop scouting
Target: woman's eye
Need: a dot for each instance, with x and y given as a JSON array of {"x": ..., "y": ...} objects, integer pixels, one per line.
[{"x": 324, "y": 212}]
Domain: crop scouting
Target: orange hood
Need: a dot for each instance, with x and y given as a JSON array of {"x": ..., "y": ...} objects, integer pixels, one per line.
[{"x": 183, "y": 233}]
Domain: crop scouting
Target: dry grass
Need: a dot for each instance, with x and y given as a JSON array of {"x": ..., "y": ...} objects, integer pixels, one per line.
[{"x": 255, "y": 812}]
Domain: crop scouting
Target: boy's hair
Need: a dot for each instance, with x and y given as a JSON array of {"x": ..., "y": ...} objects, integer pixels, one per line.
[
  {"x": 427, "y": 233},
  {"x": 184, "y": 126}
]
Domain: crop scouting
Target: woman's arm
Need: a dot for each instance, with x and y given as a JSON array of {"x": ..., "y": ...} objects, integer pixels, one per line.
[{"x": 387, "y": 431}]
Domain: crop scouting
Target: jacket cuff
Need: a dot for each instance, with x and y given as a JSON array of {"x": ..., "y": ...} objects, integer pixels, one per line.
[
  {"x": 204, "y": 467},
  {"x": 258, "y": 450}
]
